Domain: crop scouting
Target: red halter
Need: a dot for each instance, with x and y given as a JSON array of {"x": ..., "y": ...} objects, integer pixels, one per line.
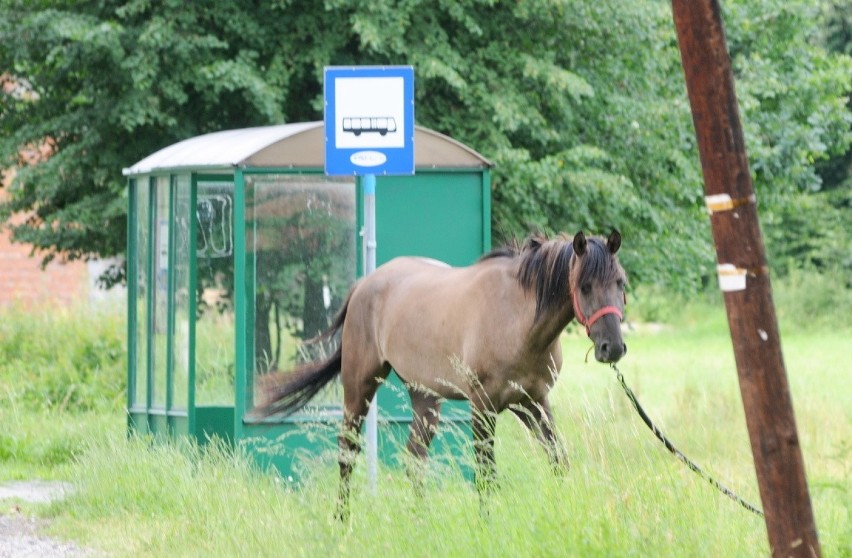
[{"x": 596, "y": 316}]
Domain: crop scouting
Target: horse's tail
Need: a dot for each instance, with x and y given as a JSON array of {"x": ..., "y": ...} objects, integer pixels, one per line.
[{"x": 286, "y": 393}]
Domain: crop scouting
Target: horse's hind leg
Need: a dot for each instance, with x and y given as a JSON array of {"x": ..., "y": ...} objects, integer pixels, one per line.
[
  {"x": 426, "y": 407},
  {"x": 538, "y": 418},
  {"x": 360, "y": 382},
  {"x": 484, "y": 419}
]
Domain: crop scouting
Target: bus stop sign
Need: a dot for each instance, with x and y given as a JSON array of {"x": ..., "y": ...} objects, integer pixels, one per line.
[{"x": 369, "y": 120}]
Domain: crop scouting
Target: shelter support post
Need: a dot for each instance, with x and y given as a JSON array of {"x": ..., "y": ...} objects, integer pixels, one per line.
[{"x": 744, "y": 278}]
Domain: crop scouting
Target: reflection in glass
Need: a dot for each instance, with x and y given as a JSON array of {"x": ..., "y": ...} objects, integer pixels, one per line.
[
  {"x": 215, "y": 320},
  {"x": 139, "y": 395},
  {"x": 182, "y": 292},
  {"x": 161, "y": 291},
  {"x": 301, "y": 248}
]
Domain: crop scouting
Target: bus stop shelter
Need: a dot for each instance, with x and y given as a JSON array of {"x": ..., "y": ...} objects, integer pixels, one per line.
[{"x": 240, "y": 248}]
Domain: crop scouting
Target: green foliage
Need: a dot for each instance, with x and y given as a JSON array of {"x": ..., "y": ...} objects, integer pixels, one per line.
[
  {"x": 581, "y": 105},
  {"x": 804, "y": 299},
  {"x": 792, "y": 92},
  {"x": 63, "y": 377},
  {"x": 66, "y": 360},
  {"x": 807, "y": 299},
  {"x": 40, "y": 443},
  {"x": 836, "y": 18},
  {"x": 811, "y": 232}
]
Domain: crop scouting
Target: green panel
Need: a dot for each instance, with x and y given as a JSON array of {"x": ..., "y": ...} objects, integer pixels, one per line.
[
  {"x": 162, "y": 424},
  {"x": 437, "y": 215},
  {"x": 451, "y": 449},
  {"x": 297, "y": 446},
  {"x": 158, "y": 424},
  {"x": 138, "y": 422},
  {"x": 215, "y": 421},
  {"x": 178, "y": 425},
  {"x": 294, "y": 446}
]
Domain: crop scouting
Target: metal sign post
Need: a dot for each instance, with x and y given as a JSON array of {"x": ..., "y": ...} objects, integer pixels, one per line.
[
  {"x": 368, "y": 183},
  {"x": 369, "y": 131},
  {"x": 744, "y": 279}
]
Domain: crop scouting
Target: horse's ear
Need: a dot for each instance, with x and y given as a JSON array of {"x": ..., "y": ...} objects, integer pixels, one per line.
[
  {"x": 534, "y": 242},
  {"x": 580, "y": 243},
  {"x": 614, "y": 241}
]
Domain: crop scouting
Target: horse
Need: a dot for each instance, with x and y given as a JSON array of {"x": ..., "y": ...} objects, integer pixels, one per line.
[{"x": 488, "y": 333}]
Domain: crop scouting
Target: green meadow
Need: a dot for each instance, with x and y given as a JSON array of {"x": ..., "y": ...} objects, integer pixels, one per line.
[{"x": 62, "y": 377}]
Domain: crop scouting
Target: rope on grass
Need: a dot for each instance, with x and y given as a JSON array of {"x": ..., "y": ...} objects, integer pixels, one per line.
[{"x": 676, "y": 452}]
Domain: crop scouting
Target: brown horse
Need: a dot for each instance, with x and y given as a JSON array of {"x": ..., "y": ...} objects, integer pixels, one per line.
[{"x": 488, "y": 333}]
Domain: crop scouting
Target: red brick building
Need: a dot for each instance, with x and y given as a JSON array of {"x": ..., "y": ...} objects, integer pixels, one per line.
[{"x": 23, "y": 282}]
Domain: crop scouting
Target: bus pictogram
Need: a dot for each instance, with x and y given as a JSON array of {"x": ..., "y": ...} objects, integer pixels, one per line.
[{"x": 381, "y": 125}]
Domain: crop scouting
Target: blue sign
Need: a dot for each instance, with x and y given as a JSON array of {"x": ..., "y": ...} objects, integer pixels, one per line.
[{"x": 369, "y": 120}]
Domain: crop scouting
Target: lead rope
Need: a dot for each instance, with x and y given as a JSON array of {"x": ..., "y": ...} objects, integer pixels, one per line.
[{"x": 677, "y": 453}]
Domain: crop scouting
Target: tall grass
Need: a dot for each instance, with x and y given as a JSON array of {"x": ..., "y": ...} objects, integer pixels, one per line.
[
  {"x": 62, "y": 382},
  {"x": 63, "y": 359},
  {"x": 624, "y": 496}
]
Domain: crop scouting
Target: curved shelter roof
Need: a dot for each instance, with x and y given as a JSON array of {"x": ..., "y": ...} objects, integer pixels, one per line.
[{"x": 299, "y": 145}]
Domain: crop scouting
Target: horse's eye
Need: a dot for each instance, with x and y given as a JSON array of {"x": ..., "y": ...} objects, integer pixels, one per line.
[
  {"x": 620, "y": 283},
  {"x": 586, "y": 288}
]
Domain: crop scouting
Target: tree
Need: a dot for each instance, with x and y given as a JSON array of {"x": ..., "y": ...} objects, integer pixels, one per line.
[
  {"x": 800, "y": 161},
  {"x": 581, "y": 104},
  {"x": 108, "y": 83}
]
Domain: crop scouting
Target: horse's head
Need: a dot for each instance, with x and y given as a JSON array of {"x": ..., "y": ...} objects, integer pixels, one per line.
[{"x": 597, "y": 289}]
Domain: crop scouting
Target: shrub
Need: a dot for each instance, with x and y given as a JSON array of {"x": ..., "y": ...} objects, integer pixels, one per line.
[{"x": 72, "y": 360}]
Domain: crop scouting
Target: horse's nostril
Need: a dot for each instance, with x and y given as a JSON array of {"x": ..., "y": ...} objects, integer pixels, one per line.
[{"x": 605, "y": 349}]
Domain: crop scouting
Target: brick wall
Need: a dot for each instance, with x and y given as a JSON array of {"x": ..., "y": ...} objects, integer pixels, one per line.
[{"x": 23, "y": 282}]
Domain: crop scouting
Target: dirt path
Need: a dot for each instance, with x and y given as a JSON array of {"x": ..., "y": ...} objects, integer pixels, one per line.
[{"x": 20, "y": 535}]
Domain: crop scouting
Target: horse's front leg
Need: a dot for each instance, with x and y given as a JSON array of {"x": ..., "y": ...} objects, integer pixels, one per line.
[{"x": 538, "y": 418}]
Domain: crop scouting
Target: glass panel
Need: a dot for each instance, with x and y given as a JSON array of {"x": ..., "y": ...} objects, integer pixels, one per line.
[
  {"x": 160, "y": 319},
  {"x": 215, "y": 321},
  {"x": 182, "y": 292},
  {"x": 143, "y": 235},
  {"x": 301, "y": 241}
]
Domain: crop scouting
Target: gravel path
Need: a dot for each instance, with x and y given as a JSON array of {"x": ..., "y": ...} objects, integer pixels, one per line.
[{"x": 20, "y": 535}]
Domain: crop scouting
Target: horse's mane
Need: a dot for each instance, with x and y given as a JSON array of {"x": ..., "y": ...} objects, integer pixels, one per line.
[{"x": 545, "y": 267}]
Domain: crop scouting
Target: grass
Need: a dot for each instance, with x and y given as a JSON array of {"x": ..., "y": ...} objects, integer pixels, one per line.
[
  {"x": 62, "y": 378},
  {"x": 625, "y": 495}
]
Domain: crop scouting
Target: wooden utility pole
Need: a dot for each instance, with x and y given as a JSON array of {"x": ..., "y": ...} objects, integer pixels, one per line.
[{"x": 744, "y": 279}]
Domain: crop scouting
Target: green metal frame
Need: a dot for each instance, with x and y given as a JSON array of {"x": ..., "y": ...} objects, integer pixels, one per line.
[
  {"x": 132, "y": 295},
  {"x": 207, "y": 420},
  {"x": 243, "y": 336},
  {"x": 167, "y": 420},
  {"x": 193, "y": 305},
  {"x": 170, "y": 307}
]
